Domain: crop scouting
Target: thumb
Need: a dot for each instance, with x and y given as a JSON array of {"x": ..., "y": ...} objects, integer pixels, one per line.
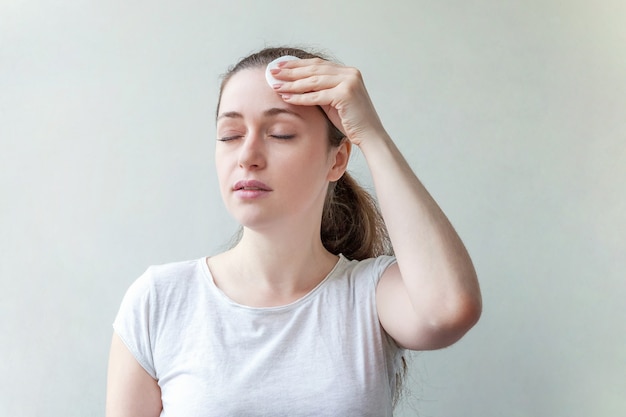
[{"x": 333, "y": 116}]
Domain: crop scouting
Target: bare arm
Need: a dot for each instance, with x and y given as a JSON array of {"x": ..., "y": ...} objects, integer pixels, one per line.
[
  {"x": 431, "y": 298},
  {"x": 131, "y": 391}
]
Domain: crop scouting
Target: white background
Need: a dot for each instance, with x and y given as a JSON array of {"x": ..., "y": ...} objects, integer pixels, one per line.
[{"x": 513, "y": 113}]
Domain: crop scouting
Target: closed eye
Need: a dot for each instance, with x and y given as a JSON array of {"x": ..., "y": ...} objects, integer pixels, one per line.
[
  {"x": 285, "y": 137},
  {"x": 229, "y": 138}
]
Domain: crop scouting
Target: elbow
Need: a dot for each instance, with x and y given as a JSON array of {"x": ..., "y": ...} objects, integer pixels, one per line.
[
  {"x": 470, "y": 313},
  {"x": 453, "y": 321},
  {"x": 461, "y": 311}
]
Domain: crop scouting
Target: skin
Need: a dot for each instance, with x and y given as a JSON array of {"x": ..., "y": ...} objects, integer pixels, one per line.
[
  {"x": 255, "y": 120},
  {"x": 131, "y": 391},
  {"x": 428, "y": 300}
]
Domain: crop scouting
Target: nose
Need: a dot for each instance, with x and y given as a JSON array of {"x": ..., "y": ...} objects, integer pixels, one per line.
[{"x": 252, "y": 152}]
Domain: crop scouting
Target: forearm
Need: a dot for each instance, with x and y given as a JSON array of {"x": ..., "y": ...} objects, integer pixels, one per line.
[{"x": 436, "y": 269}]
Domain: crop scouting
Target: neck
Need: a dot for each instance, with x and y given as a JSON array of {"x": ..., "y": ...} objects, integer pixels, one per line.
[
  {"x": 262, "y": 270},
  {"x": 282, "y": 260}
]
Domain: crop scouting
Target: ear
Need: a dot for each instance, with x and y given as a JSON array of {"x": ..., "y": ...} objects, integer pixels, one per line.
[{"x": 340, "y": 157}]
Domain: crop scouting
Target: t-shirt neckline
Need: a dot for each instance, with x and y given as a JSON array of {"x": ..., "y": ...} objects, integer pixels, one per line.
[{"x": 222, "y": 295}]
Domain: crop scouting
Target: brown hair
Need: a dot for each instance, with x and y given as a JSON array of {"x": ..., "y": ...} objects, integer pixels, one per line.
[{"x": 351, "y": 221}]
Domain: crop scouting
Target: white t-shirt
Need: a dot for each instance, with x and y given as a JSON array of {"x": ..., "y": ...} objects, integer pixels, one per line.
[{"x": 325, "y": 354}]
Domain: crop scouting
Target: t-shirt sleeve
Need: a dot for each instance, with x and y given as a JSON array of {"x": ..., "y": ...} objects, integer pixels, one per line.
[
  {"x": 379, "y": 265},
  {"x": 132, "y": 323},
  {"x": 375, "y": 270}
]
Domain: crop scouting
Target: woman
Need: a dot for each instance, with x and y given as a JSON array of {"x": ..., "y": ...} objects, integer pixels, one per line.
[{"x": 307, "y": 314}]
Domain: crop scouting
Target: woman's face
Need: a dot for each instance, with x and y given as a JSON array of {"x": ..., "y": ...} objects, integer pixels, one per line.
[{"x": 273, "y": 159}]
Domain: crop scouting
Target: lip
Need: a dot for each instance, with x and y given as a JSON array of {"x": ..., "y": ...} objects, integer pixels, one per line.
[
  {"x": 250, "y": 185},
  {"x": 251, "y": 189}
]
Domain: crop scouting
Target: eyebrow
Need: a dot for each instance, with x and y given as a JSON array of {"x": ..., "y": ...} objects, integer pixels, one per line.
[{"x": 274, "y": 111}]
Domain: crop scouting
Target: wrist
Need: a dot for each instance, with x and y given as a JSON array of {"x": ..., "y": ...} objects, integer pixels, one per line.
[{"x": 373, "y": 141}]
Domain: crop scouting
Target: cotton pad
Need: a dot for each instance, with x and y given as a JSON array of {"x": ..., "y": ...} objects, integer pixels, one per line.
[{"x": 274, "y": 64}]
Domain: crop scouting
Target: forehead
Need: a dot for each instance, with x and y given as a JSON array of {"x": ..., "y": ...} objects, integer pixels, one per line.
[
  {"x": 247, "y": 92},
  {"x": 246, "y": 81}
]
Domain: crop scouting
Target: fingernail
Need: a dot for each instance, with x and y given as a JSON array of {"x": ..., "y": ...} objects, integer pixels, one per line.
[
  {"x": 277, "y": 86},
  {"x": 275, "y": 70},
  {"x": 285, "y": 96}
]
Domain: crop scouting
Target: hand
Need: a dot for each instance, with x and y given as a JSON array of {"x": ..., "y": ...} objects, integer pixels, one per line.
[{"x": 337, "y": 89}]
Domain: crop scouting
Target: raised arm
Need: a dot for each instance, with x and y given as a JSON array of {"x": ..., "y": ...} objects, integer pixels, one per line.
[{"x": 431, "y": 297}]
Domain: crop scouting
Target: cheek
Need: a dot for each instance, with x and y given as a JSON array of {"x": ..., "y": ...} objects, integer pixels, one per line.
[
  {"x": 221, "y": 168},
  {"x": 313, "y": 169}
]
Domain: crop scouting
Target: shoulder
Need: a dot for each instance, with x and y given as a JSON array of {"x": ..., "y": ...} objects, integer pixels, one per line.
[
  {"x": 166, "y": 278},
  {"x": 360, "y": 277},
  {"x": 370, "y": 269},
  {"x": 161, "y": 293},
  {"x": 174, "y": 272}
]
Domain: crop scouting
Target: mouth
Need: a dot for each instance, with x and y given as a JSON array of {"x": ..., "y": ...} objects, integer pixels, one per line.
[{"x": 250, "y": 185}]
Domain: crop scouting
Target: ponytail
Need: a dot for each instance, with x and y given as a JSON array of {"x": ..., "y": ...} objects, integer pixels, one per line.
[{"x": 351, "y": 222}]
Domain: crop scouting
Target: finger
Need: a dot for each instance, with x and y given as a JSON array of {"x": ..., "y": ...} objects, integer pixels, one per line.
[
  {"x": 317, "y": 98},
  {"x": 309, "y": 84},
  {"x": 303, "y": 71},
  {"x": 296, "y": 63},
  {"x": 313, "y": 98}
]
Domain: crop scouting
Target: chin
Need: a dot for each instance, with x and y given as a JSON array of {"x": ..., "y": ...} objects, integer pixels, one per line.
[{"x": 254, "y": 221}]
